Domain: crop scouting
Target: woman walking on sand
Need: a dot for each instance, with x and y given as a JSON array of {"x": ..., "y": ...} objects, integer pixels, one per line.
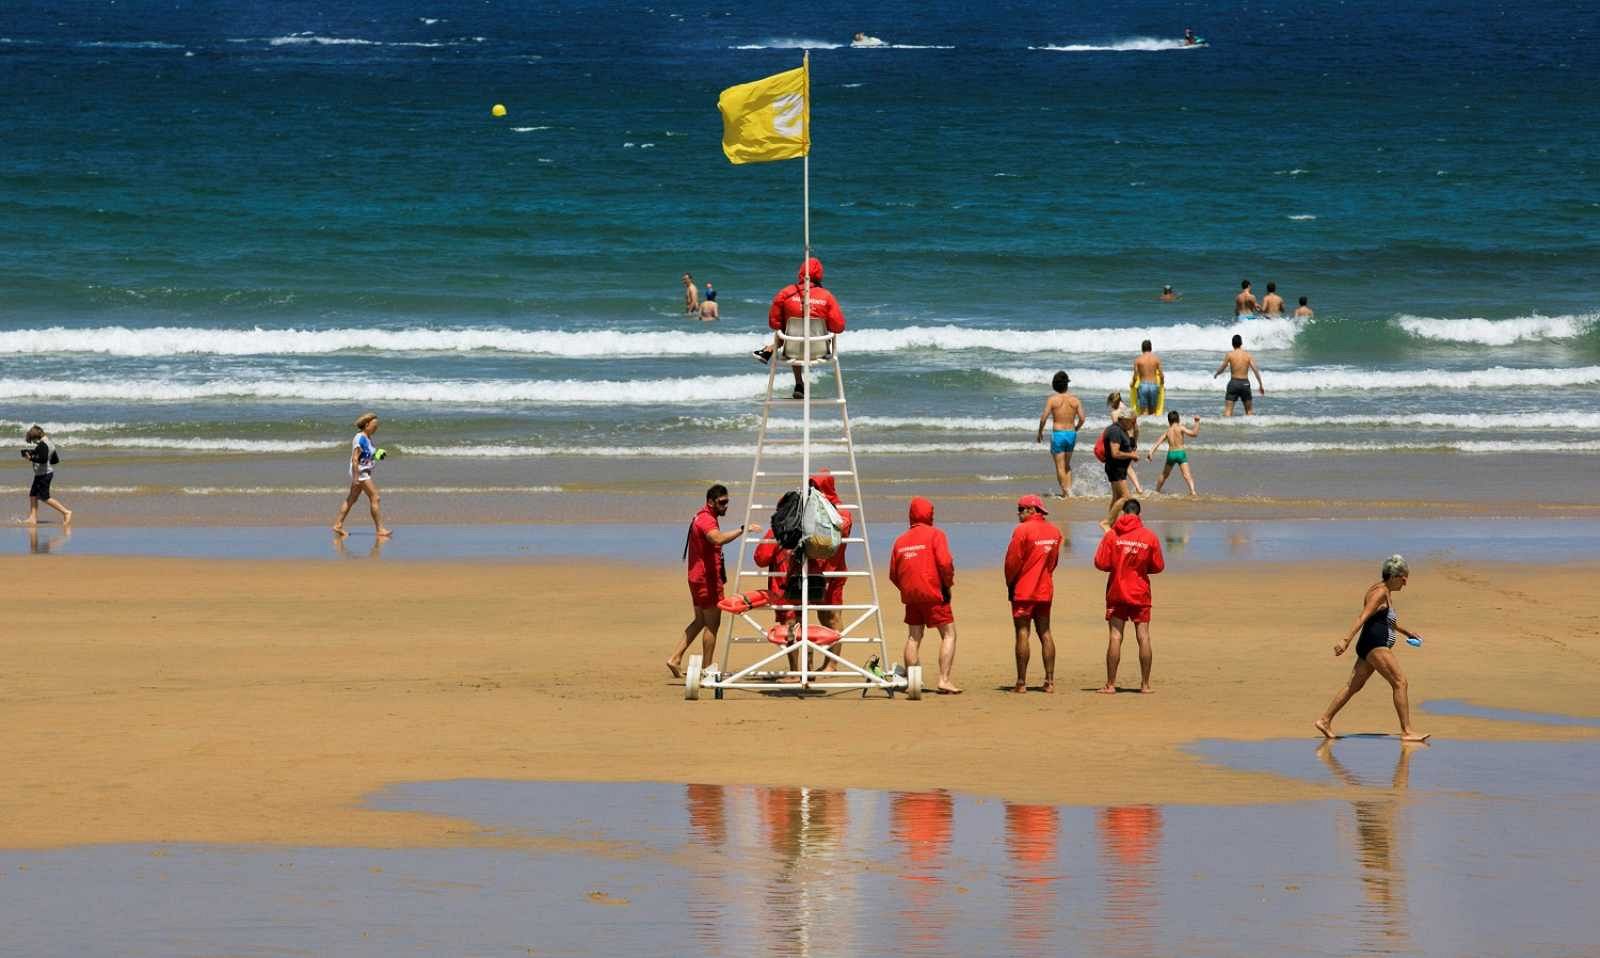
[
  {"x": 1376, "y": 627},
  {"x": 363, "y": 457}
]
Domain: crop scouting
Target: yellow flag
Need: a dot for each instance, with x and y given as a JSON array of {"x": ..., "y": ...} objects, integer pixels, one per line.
[{"x": 767, "y": 119}]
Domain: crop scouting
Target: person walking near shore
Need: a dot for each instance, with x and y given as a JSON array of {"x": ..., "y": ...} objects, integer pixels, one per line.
[
  {"x": 1114, "y": 404},
  {"x": 1030, "y": 586},
  {"x": 920, "y": 566},
  {"x": 1065, "y": 414},
  {"x": 41, "y": 452},
  {"x": 364, "y": 457},
  {"x": 1130, "y": 554},
  {"x": 1240, "y": 364},
  {"x": 702, "y": 553},
  {"x": 1374, "y": 633},
  {"x": 1120, "y": 454},
  {"x": 1177, "y": 455}
]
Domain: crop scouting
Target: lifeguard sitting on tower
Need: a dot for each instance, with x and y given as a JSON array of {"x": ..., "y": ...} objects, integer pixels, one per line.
[{"x": 788, "y": 304}]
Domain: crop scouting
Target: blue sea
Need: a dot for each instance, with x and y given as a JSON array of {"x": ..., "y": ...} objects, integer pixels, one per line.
[{"x": 227, "y": 228}]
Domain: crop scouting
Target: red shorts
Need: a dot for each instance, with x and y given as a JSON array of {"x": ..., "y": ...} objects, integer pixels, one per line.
[
  {"x": 929, "y": 613},
  {"x": 705, "y": 596},
  {"x": 1128, "y": 613},
  {"x": 1029, "y": 609},
  {"x": 834, "y": 593},
  {"x": 784, "y": 618}
]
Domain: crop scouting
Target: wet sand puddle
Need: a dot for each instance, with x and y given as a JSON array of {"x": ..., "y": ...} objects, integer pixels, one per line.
[
  {"x": 1456, "y": 849},
  {"x": 1506, "y": 540}
]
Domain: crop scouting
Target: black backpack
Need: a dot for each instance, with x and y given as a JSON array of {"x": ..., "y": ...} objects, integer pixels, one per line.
[{"x": 786, "y": 521}]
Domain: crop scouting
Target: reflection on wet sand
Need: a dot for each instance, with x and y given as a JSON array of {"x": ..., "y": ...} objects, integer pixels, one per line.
[
  {"x": 708, "y": 818},
  {"x": 44, "y": 545},
  {"x": 1033, "y": 833},
  {"x": 342, "y": 549},
  {"x": 1384, "y": 919},
  {"x": 810, "y": 900},
  {"x": 1130, "y": 853},
  {"x": 923, "y": 824}
]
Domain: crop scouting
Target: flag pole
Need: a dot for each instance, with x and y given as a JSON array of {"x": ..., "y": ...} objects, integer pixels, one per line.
[{"x": 805, "y": 325}]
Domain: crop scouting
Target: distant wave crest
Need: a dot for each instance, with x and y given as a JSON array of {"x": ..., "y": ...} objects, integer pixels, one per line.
[
  {"x": 1498, "y": 332},
  {"x": 691, "y": 389}
]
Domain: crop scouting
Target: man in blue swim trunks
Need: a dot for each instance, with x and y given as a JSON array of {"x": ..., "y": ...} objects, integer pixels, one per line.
[
  {"x": 1065, "y": 414},
  {"x": 1147, "y": 369}
]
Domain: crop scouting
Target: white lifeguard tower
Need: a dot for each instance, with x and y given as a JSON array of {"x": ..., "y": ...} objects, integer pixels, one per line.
[{"x": 807, "y": 345}]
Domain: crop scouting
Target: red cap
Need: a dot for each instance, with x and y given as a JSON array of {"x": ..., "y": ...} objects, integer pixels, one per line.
[{"x": 1033, "y": 502}]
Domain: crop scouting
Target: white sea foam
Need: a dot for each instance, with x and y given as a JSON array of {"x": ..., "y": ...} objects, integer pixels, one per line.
[
  {"x": 528, "y": 129},
  {"x": 1132, "y": 44},
  {"x": 105, "y": 490},
  {"x": 1096, "y": 418},
  {"x": 132, "y": 44},
  {"x": 1329, "y": 378},
  {"x": 1301, "y": 217},
  {"x": 1260, "y": 333},
  {"x": 64, "y": 428},
  {"x": 219, "y": 444},
  {"x": 733, "y": 450},
  {"x": 691, "y": 389},
  {"x": 1498, "y": 332},
  {"x": 310, "y": 39},
  {"x": 789, "y": 43}
]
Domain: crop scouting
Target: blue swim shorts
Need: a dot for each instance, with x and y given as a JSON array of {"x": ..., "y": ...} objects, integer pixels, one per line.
[
  {"x": 1149, "y": 396},
  {"x": 1062, "y": 440}
]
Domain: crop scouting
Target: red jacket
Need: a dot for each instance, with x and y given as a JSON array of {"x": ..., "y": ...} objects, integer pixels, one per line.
[
  {"x": 704, "y": 559},
  {"x": 771, "y": 556},
  {"x": 920, "y": 564},
  {"x": 823, "y": 483},
  {"x": 1031, "y": 560},
  {"x": 1132, "y": 554},
  {"x": 789, "y": 303}
]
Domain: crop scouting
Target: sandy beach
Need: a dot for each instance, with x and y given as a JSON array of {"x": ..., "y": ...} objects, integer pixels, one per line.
[{"x": 259, "y": 702}]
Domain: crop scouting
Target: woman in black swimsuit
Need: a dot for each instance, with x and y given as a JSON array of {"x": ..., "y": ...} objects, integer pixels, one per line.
[{"x": 1376, "y": 628}]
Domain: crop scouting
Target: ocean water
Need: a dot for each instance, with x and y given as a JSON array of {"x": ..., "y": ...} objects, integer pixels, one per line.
[{"x": 229, "y": 229}]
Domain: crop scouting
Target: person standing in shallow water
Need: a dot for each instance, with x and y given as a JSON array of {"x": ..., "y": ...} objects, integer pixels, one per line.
[
  {"x": 364, "y": 457},
  {"x": 1374, "y": 633},
  {"x": 1065, "y": 414}
]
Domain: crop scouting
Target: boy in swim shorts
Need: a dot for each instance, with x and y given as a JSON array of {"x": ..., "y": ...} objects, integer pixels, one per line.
[
  {"x": 1065, "y": 414},
  {"x": 1177, "y": 455}
]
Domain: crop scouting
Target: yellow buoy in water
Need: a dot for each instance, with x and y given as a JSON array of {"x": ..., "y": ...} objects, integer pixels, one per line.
[{"x": 499, "y": 109}]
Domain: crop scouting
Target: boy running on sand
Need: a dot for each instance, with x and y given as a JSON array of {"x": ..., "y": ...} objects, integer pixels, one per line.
[
  {"x": 921, "y": 568},
  {"x": 1030, "y": 585},
  {"x": 41, "y": 452},
  {"x": 1066, "y": 415},
  {"x": 1131, "y": 554},
  {"x": 1177, "y": 455}
]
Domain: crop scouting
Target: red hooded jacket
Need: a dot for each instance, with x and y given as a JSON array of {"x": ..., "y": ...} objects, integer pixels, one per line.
[
  {"x": 1132, "y": 554},
  {"x": 920, "y": 564},
  {"x": 775, "y": 558},
  {"x": 823, "y": 482},
  {"x": 789, "y": 303},
  {"x": 1031, "y": 560}
]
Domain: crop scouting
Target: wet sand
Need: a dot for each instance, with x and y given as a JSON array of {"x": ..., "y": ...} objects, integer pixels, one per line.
[
  {"x": 195, "y": 489},
  {"x": 161, "y": 700}
]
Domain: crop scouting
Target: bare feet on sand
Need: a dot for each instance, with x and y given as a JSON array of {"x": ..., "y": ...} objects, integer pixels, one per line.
[
  {"x": 1020, "y": 688},
  {"x": 384, "y": 533},
  {"x": 1048, "y": 686},
  {"x": 674, "y": 668},
  {"x": 1107, "y": 690},
  {"x": 947, "y": 688},
  {"x": 1416, "y": 737},
  {"x": 1326, "y": 729},
  {"x": 1146, "y": 690},
  {"x": 340, "y": 531},
  {"x": 66, "y": 518}
]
